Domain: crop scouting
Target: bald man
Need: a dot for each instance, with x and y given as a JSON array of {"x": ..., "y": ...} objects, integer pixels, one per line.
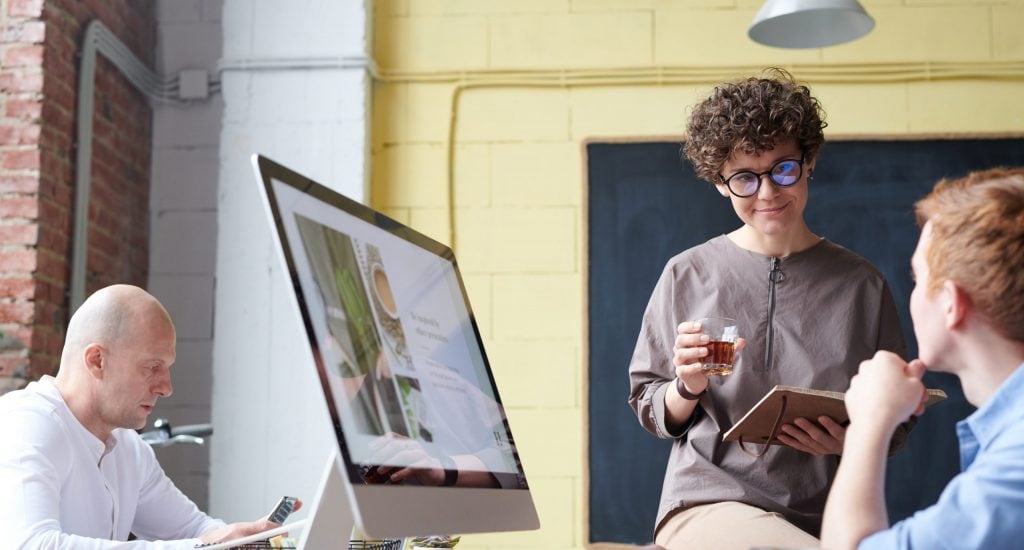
[{"x": 73, "y": 471}]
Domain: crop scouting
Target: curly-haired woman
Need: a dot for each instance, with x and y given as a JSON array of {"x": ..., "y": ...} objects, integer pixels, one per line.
[{"x": 810, "y": 310}]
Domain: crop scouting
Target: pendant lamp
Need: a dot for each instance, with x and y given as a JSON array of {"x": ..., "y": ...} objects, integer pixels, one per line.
[{"x": 809, "y": 23}]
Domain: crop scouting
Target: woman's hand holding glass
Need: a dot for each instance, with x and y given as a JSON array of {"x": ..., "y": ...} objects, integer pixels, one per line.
[{"x": 689, "y": 352}]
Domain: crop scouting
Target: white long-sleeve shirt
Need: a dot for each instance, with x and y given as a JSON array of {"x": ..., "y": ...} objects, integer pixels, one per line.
[{"x": 63, "y": 488}]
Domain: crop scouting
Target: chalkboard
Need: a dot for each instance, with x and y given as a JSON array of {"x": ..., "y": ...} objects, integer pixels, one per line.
[{"x": 646, "y": 205}]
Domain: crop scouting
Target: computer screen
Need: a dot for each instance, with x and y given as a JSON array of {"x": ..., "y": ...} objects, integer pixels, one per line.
[{"x": 424, "y": 443}]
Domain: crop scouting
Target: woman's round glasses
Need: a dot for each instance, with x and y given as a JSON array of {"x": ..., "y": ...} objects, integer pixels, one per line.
[{"x": 783, "y": 173}]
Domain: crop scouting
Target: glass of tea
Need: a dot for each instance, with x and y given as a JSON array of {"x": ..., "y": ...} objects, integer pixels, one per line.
[{"x": 721, "y": 356}]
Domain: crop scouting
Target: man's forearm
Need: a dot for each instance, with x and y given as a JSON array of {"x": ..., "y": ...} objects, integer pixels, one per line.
[{"x": 856, "y": 504}]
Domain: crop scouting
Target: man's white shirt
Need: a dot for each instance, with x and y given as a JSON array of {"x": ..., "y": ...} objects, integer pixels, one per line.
[{"x": 63, "y": 488}]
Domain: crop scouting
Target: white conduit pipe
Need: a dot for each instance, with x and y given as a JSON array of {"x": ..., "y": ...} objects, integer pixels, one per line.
[
  {"x": 98, "y": 38},
  {"x": 299, "y": 63}
]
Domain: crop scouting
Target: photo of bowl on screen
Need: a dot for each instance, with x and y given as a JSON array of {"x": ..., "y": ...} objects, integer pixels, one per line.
[{"x": 382, "y": 289}]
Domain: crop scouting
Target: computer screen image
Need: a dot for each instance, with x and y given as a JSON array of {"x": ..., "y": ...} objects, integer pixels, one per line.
[{"x": 424, "y": 445}]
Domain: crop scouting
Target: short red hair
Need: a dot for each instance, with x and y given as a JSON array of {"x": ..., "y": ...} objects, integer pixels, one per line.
[{"x": 977, "y": 241}]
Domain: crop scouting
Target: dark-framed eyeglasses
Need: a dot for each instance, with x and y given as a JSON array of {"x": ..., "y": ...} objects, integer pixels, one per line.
[{"x": 784, "y": 173}]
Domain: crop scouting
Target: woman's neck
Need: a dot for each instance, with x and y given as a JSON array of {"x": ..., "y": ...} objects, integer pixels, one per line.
[{"x": 799, "y": 239}]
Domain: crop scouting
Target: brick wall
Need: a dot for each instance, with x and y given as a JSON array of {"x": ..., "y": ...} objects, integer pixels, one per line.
[{"x": 38, "y": 82}]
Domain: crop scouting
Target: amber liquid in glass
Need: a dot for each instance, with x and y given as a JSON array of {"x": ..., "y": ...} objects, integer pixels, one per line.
[{"x": 719, "y": 359}]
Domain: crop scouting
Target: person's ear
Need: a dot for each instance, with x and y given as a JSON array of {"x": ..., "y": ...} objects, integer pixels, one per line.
[
  {"x": 955, "y": 304},
  {"x": 94, "y": 360},
  {"x": 722, "y": 189}
]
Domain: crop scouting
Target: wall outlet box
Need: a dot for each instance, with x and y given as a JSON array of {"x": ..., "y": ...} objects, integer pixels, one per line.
[{"x": 193, "y": 84}]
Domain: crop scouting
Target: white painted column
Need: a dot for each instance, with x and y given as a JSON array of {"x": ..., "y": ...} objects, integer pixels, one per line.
[
  {"x": 291, "y": 92},
  {"x": 183, "y": 226}
]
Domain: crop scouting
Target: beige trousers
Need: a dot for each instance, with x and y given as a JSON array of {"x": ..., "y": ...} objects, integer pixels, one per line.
[{"x": 730, "y": 526}]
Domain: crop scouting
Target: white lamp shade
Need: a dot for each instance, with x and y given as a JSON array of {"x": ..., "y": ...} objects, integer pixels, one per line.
[{"x": 809, "y": 23}]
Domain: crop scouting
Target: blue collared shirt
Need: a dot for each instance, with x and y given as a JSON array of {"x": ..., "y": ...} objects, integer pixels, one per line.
[{"x": 983, "y": 506}]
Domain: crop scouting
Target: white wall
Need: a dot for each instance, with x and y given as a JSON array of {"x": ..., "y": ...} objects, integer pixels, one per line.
[
  {"x": 183, "y": 226},
  {"x": 272, "y": 433}
]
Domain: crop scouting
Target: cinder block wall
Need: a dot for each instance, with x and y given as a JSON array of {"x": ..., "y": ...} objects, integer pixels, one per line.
[
  {"x": 183, "y": 216},
  {"x": 38, "y": 82},
  {"x": 517, "y": 169},
  {"x": 273, "y": 435}
]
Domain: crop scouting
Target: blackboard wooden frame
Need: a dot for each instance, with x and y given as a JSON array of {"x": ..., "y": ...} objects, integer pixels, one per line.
[{"x": 919, "y": 159}]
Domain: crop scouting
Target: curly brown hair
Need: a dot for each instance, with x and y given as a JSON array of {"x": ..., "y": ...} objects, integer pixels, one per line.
[
  {"x": 978, "y": 241},
  {"x": 751, "y": 115}
]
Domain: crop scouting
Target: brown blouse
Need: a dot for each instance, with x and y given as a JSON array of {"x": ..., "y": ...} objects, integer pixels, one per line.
[{"x": 809, "y": 320}]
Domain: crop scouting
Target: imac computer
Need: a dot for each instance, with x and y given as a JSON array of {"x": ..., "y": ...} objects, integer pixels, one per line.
[{"x": 423, "y": 443}]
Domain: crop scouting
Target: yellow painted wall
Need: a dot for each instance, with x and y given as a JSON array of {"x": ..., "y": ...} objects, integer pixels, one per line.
[{"x": 535, "y": 79}]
